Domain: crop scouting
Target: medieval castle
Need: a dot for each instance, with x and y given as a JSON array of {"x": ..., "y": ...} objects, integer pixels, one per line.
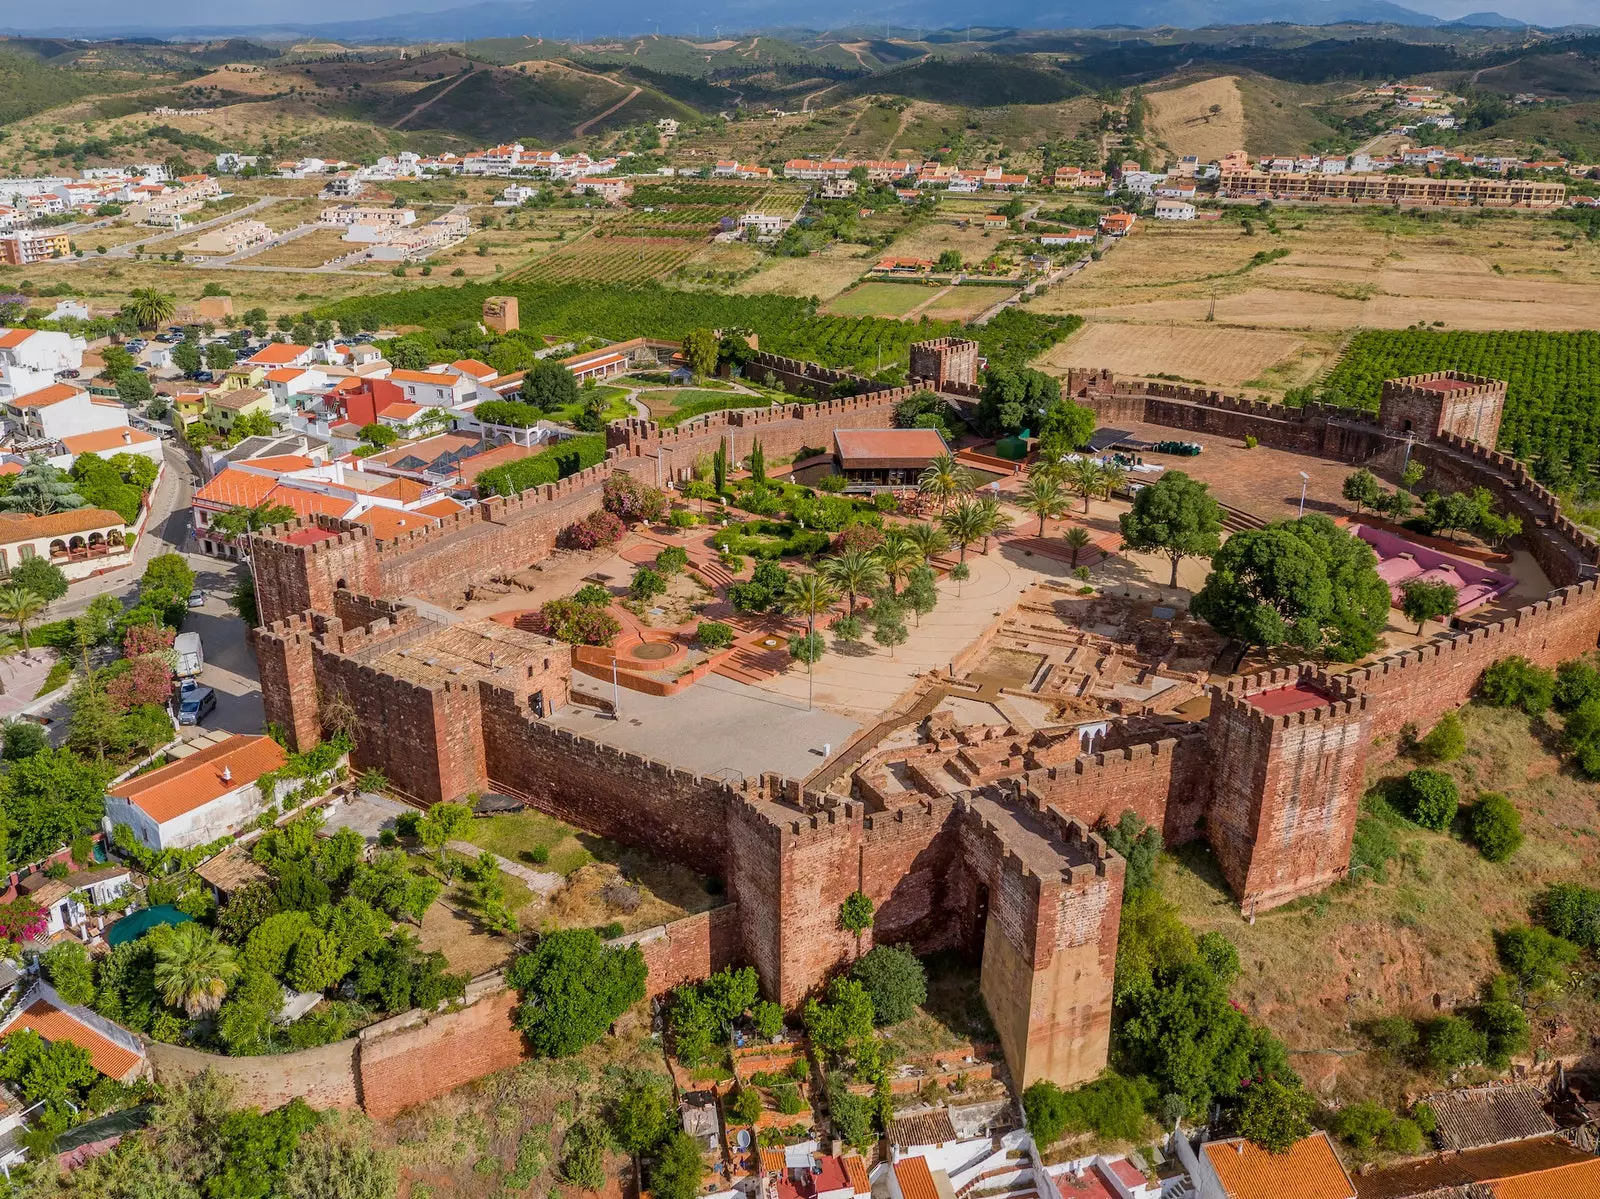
[{"x": 1009, "y": 867}]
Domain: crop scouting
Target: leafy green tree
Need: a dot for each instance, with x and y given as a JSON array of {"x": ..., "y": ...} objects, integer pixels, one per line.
[
  {"x": 1577, "y": 682},
  {"x": 768, "y": 1018},
  {"x": 855, "y": 913},
  {"x": 55, "y": 1074},
  {"x": 1446, "y": 741},
  {"x": 238, "y": 520},
  {"x": 1450, "y": 1042},
  {"x": 646, "y": 585},
  {"x": 186, "y": 357},
  {"x": 639, "y": 1118},
  {"x": 1305, "y": 583},
  {"x": 245, "y": 1020},
  {"x": 193, "y": 969},
  {"x": 443, "y": 823},
  {"x": 573, "y": 987},
  {"x": 678, "y": 1169},
  {"x": 1431, "y": 798},
  {"x": 1495, "y": 826},
  {"x": 1175, "y": 516},
  {"x": 257, "y": 1150},
  {"x": 40, "y": 576},
  {"x": 840, "y": 1025},
  {"x": 851, "y": 1113},
  {"x": 1276, "y": 1115},
  {"x": 1572, "y": 911},
  {"x": 895, "y": 982},
  {"x": 700, "y": 349},
  {"x": 548, "y": 386},
  {"x": 40, "y": 489},
  {"x": 1514, "y": 682},
  {"x": 1015, "y": 398},
  {"x": 1066, "y": 428},
  {"x": 66, "y": 965},
  {"x": 1140, "y": 846},
  {"x": 1535, "y": 955},
  {"x": 1111, "y": 1106},
  {"x": 389, "y": 884},
  {"x": 48, "y": 798},
  {"x": 1423, "y": 600},
  {"x": 23, "y": 739},
  {"x": 1362, "y": 489}
]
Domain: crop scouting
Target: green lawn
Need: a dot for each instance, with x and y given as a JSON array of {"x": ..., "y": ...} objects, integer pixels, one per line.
[
  {"x": 689, "y": 402},
  {"x": 617, "y": 407},
  {"x": 518, "y": 834},
  {"x": 880, "y": 299}
]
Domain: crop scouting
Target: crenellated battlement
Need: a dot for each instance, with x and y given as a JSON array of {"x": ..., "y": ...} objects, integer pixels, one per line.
[{"x": 1244, "y": 707}]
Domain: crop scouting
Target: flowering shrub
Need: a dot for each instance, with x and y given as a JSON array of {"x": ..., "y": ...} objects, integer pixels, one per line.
[
  {"x": 141, "y": 639},
  {"x": 21, "y": 920},
  {"x": 147, "y": 680},
  {"x": 594, "y": 531},
  {"x": 580, "y": 624},
  {"x": 626, "y": 497},
  {"x": 858, "y": 537}
]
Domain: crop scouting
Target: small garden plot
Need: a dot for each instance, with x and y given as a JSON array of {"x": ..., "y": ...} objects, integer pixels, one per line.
[
  {"x": 674, "y": 407},
  {"x": 679, "y": 601},
  {"x": 880, "y": 299},
  {"x": 531, "y": 838}
]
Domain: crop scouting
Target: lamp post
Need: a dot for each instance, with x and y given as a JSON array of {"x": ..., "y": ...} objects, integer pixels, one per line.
[{"x": 1305, "y": 479}]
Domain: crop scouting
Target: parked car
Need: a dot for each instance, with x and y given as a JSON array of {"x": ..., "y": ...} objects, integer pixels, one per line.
[
  {"x": 204, "y": 376},
  {"x": 195, "y": 703},
  {"x": 68, "y": 373},
  {"x": 197, "y": 598}
]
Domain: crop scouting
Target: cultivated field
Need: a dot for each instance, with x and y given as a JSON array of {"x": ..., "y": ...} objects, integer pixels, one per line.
[
  {"x": 881, "y": 299},
  {"x": 964, "y": 303},
  {"x": 1210, "y": 353},
  {"x": 614, "y": 259},
  {"x": 1181, "y": 117},
  {"x": 822, "y": 275}
]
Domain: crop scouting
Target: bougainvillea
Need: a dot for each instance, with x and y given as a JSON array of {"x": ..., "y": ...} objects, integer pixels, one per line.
[
  {"x": 147, "y": 680},
  {"x": 580, "y": 624},
  {"x": 21, "y": 920},
  {"x": 626, "y": 497},
  {"x": 594, "y": 531},
  {"x": 141, "y": 639}
]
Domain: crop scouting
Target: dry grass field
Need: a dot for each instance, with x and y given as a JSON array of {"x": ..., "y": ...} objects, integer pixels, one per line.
[
  {"x": 1147, "y": 301},
  {"x": 311, "y": 249},
  {"x": 964, "y": 303},
  {"x": 823, "y": 275},
  {"x": 881, "y": 299},
  {"x": 1181, "y": 118},
  {"x": 1208, "y": 353}
]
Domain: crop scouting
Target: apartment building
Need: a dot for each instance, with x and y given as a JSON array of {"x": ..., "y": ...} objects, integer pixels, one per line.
[
  {"x": 1391, "y": 189},
  {"x": 27, "y": 246}
]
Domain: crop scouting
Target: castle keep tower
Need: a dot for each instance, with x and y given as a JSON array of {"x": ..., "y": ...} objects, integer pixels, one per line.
[
  {"x": 945, "y": 360},
  {"x": 1287, "y": 763},
  {"x": 1469, "y": 406}
]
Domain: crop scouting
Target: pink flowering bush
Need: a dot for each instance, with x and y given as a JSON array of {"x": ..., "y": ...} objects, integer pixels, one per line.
[
  {"x": 594, "y": 531},
  {"x": 21, "y": 920},
  {"x": 626, "y": 497},
  {"x": 580, "y": 624}
]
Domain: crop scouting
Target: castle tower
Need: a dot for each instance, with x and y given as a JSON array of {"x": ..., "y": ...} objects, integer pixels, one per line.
[
  {"x": 1287, "y": 763},
  {"x": 1468, "y": 406},
  {"x": 500, "y": 314},
  {"x": 299, "y": 567},
  {"x": 945, "y": 360}
]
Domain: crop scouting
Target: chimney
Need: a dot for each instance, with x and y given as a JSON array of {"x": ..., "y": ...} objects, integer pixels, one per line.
[
  {"x": 127, "y": 437},
  {"x": 227, "y": 774}
]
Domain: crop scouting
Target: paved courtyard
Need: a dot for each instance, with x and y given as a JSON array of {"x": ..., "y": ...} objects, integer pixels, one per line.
[{"x": 717, "y": 727}]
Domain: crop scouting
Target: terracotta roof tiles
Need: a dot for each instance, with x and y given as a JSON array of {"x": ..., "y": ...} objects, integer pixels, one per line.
[
  {"x": 15, "y": 527},
  {"x": 54, "y": 1024},
  {"x": 1308, "y": 1170},
  {"x": 195, "y": 781},
  {"x": 915, "y": 1179}
]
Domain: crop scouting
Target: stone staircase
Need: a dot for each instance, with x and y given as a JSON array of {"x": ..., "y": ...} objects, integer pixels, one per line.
[
  {"x": 1053, "y": 547},
  {"x": 1237, "y": 520},
  {"x": 749, "y": 665}
]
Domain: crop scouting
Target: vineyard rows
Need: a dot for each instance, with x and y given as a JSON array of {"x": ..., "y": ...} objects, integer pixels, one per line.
[
  {"x": 1552, "y": 381},
  {"x": 613, "y": 260},
  {"x": 787, "y": 325}
]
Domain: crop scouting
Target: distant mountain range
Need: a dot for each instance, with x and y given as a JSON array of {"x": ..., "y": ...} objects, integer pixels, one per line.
[{"x": 511, "y": 18}]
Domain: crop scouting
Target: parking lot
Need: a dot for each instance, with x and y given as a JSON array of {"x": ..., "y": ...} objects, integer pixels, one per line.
[{"x": 230, "y": 667}]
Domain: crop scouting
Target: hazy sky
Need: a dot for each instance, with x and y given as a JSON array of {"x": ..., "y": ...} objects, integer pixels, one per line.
[{"x": 89, "y": 14}]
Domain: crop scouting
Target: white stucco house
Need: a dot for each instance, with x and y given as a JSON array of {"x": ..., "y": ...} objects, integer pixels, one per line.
[
  {"x": 211, "y": 793},
  {"x": 59, "y": 898},
  {"x": 41, "y": 349},
  {"x": 63, "y": 410}
]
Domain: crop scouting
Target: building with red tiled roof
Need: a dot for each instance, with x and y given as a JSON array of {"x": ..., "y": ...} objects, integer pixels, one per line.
[
  {"x": 281, "y": 353},
  {"x": 199, "y": 798},
  {"x": 113, "y": 1051},
  {"x": 388, "y": 523},
  {"x": 1308, "y": 1169},
  {"x": 81, "y": 542},
  {"x": 886, "y": 457},
  {"x": 910, "y": 1178},
  {"x": 122, "y": 439}
]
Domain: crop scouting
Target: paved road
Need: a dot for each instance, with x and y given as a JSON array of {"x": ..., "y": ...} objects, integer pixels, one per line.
[
  {"x": 230, "y": 666},
  {"x": 157, "y": 237}
]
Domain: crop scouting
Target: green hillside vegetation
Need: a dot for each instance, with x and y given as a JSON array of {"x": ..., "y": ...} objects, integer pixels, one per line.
[
  {"x": 503, "y": 51},
  {"x": 495, "y": 104},
  {"x": 980, "y": 81},
  {"x": 31, "y": 84}
]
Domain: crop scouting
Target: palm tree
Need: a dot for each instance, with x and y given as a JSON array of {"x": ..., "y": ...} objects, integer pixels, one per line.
[
  {"x": 1112, "y": 476},
  {"x": 19, "y": 605},
  {"x": 995, "y": 518},
  {"x": 1043, "y": 496},
  {"x": 193, "y": 969},
  {"x": 944, "y": 479},
  {"x": 809, "y": 596},
  {"x": 854, "y": 572},
  {"x": 964, "y": 523},
  {"x": 1085, "y": 477},
  {"x": 930, "y": 540},
  {"x": 1077, "y": 539},
  {"x": 897, "y": 553},
  {"x": 1046, "y": 469},
  {"x": 148, "y": 307}
]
